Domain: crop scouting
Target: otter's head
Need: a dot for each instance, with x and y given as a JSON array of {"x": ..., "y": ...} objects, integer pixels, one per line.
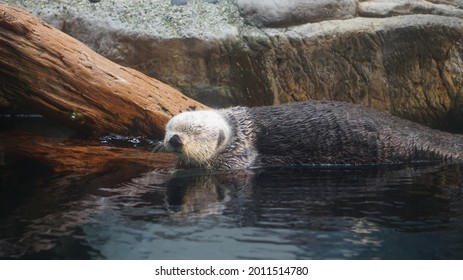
[{"x": 197, "y": 136}]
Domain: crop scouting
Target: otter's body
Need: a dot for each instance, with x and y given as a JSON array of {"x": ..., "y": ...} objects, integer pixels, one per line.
[{"x": 316, "y": 132}]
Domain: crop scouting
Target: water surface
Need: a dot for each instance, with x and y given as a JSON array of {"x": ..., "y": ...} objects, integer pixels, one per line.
[{"x": 279, "y": 213}]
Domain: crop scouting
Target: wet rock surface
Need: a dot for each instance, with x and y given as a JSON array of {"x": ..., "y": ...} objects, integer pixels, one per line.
[
  {"x": 388, "y": 8},
  {"x": 399, "y": 56},
  {"x": 281, "y": 13}
]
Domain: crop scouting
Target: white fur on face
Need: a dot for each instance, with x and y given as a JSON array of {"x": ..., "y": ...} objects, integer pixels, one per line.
[{"x": 203, "y": 134}]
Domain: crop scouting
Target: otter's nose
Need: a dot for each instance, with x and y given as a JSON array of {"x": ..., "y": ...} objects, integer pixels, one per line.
[{"x": 175, "y": 141}]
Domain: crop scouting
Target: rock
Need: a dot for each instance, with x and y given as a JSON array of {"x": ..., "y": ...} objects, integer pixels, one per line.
[
  {"x": 452, "y": 76},
  {"x": 381, "y": 8},
  {"x": 394, "y": 65},
  {"x": 409, "y": 65},
  {"x": 281, "y": 13},
  {"x": 178, "y": 2},
  {"x": 456, "y": 3}
]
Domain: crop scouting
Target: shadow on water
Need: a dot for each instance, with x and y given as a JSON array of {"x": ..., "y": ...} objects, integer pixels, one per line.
[{"x": 413, "y": 212}]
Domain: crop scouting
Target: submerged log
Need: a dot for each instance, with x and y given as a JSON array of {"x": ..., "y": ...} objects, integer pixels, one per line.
[
  {"x": 81, "y": 156},
  {"x": 44, "y": 70}
]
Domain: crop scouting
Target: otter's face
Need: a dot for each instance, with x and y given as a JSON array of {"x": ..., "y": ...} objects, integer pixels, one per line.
[{"x": 197, "y": 136}]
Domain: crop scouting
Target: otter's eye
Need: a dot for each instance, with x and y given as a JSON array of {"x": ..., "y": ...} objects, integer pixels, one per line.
[{"x": 195, "y": 132}]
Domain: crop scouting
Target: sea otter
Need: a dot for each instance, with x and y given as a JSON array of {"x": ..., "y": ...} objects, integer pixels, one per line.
[{"x": 304, "y": 133}]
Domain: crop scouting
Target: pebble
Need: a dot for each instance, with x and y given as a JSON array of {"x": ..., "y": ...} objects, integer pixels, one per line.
[{"x": 178, "y": 2}]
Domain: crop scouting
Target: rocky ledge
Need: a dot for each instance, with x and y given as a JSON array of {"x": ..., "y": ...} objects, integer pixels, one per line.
[{"x": 400, "y": 56}]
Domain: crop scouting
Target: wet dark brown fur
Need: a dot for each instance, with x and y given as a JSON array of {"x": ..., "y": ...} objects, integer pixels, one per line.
[
  {"x": 343, "y": 133},
  {"x": 322, "y": 132}
]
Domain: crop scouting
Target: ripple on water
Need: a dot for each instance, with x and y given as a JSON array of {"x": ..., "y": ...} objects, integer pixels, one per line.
[{"x": 292, "y": 213}]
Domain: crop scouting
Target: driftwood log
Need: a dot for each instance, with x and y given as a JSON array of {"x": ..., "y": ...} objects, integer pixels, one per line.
[
  {"x": 48, "y": 72},
  {"x": 43, "y": 70},
  {"x": 81, "y": 157}
]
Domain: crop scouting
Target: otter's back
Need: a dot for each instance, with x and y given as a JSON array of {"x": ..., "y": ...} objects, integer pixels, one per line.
[{"x": 338, "y": 133}]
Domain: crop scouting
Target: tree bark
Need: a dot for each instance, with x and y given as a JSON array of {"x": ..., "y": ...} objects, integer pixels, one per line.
[
  {"x": 44, "y": 70},
  {"x": 80, "y": 157}
]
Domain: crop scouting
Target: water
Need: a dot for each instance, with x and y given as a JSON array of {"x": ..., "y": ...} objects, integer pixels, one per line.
[{"x": 279, "y": 213}]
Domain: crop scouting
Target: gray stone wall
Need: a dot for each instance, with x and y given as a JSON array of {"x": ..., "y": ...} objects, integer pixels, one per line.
[{"x": 401, "y": 56}]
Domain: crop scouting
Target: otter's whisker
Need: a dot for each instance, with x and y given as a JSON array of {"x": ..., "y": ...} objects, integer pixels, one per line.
[{"x": 159, "y": 147}]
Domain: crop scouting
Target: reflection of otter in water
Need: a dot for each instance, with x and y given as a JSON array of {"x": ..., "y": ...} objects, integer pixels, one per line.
[
  {"x": 316, "y": 132},
  {"x": 195, "y": 196},
  {"x": 189, "y": 195},
  {"x": 246, "y": 194}
]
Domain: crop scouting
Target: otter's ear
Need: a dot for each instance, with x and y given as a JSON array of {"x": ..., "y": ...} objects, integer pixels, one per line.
[{"x": 221, "y": 138}]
